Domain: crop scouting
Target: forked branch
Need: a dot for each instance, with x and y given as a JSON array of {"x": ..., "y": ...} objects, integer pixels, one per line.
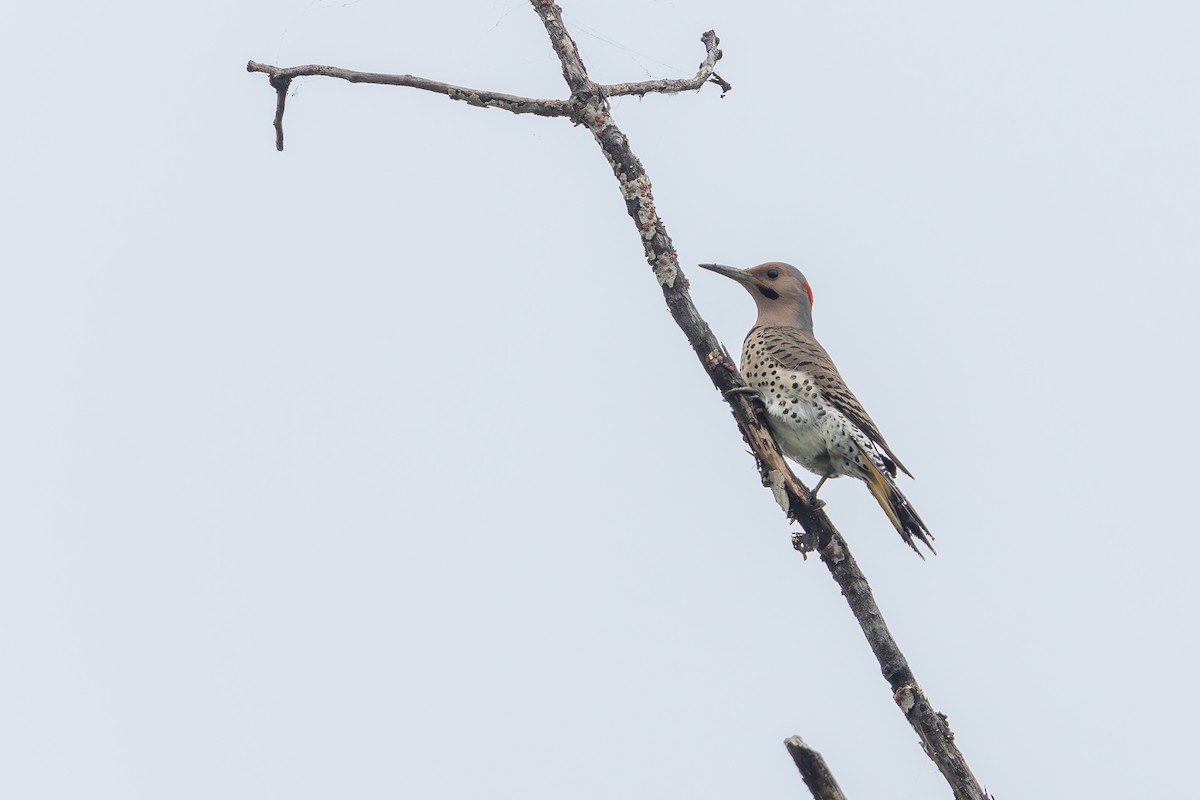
[
  {"x": 705, "y": 74},
  {"x": 588, "y": 106},
  {"x": 281, "y": 79}
]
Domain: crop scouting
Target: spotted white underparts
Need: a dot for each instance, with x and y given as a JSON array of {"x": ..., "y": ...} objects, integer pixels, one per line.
[{"x": 809, "y": 429}]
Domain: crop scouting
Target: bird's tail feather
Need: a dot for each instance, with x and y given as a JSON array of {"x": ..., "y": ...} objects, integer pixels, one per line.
[{"x": 903, "y": 516}]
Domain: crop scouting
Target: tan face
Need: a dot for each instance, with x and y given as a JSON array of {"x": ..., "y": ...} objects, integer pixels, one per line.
[
  {"x": 780, "y": 290},
  {"x": 777, "y": 281}
]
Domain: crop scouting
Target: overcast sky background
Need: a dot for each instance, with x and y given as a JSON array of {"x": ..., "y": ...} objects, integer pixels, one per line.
[{"x": 377, "y": 468}]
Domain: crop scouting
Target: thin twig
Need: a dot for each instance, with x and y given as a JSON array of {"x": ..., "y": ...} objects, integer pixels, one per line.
[
  {"x": 282, "y": 77},
  {"x": 703, "y": 75},
  {"x": 813, "y": 770}
]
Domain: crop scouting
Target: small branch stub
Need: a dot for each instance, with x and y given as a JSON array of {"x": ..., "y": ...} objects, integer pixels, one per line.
[{"x": 813, "y": 770}]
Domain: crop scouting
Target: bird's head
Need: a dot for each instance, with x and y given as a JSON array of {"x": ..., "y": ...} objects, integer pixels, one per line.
[{"x": 781, "y": 291}]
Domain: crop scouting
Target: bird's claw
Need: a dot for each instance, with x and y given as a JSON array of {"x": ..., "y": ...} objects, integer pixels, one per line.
[{"x": 750, "y": 390}]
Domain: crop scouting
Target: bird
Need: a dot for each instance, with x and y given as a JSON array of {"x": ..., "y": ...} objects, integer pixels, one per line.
[{"x": 815, "y": 418}]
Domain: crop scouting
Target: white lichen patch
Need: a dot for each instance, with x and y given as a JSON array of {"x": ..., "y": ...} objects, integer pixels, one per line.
[
  {"x": 475, "y": 99},
  {"x": 638, "y": 187},
  {"x": 467, "y": 97},
  {"x": 640, "y": 190},
  {"x": 665, "y": 270},
  {"x": 595, "y": 117}
]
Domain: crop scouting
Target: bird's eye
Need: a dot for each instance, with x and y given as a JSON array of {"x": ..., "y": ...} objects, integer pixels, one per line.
[{"x": 772, "y": 274}]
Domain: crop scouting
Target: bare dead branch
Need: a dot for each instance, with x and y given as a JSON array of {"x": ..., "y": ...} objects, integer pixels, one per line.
[
  {"x": 588, "y": 106},
  {"x": 282, "y": 77},
  {"x": 813, "y": 770},
  {"x": 932, "y": 728},
  {"x": 704, "y": 74},
  {"x": 591, "y": 109}
]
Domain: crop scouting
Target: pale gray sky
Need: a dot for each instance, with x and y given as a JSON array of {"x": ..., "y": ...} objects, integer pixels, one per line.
[{"x": 377, "y": 468}]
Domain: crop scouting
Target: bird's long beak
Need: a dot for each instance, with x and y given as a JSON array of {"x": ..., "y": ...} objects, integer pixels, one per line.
[{"x": 739, "y": 275}]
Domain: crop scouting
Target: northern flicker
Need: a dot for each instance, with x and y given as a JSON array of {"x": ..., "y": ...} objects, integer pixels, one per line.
[{"x": 816, "y": 419}]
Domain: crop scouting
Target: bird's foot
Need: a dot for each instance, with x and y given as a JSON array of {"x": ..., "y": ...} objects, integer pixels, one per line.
[
  {"x": 750, "y": 390},
  {"x": 814, "y": 502}
]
